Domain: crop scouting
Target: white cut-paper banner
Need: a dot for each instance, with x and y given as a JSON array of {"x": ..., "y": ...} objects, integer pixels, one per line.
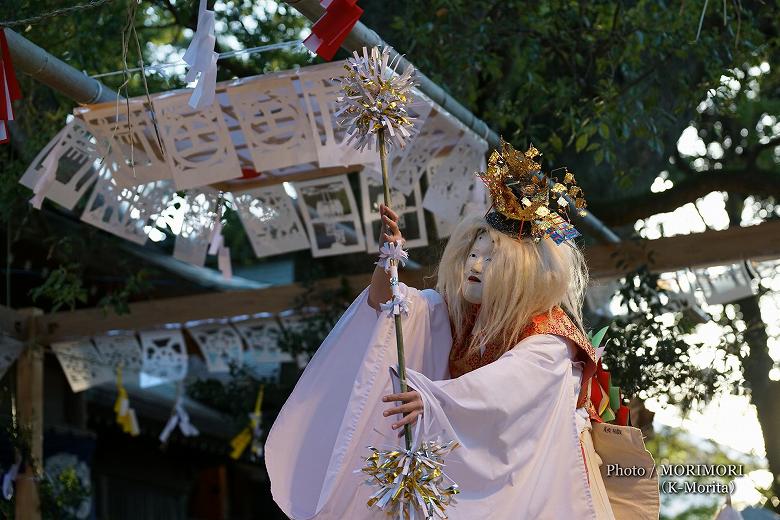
[
  {"x": 220, "y": 345},
  {"x": 321, "y": 91},
  {"x": 10, "y": 349},
  {"x": 262, "y": 357},
  {"x": 199, "y": 209},
  {"x": 274, "y": 121},
  {"x": 411, "y": 218},
  {"x": 82, "y": 364},
  {"x": 331, "y": 216},
  {"x": 164, "y": 357},
  {"x": 724, "y": 284},
  {"x": 74, "y": 170},
  {"x": 451, "y": 179},
  {"x": 128, "y": 145},
  {"x": 121, "y": 350},
  {"x": 197, "y": 142},
  {"x": 270, "y": 221},
  {"x": 125, "y": 212}
]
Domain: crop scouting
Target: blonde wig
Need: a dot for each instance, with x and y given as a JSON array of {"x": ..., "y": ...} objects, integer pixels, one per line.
[{"x": 522, "y": 280}]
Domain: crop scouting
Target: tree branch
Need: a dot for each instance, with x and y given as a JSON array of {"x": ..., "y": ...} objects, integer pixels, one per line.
[{"x": 631, "y": 209}]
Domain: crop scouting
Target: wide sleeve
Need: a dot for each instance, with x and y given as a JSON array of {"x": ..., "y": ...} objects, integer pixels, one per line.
[
  {"x": 519, "y": 454},
  {"x": 335, "y": 410}
]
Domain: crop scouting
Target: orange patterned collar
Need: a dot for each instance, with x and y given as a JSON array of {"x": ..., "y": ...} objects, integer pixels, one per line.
[{"x": 556, "y": 322}]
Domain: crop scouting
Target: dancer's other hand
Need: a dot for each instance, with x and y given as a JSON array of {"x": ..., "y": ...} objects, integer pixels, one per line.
[{"x": 412, "y": 408}]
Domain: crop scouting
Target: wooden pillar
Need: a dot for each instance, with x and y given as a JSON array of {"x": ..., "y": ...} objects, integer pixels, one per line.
[{"x": 29, "y": 413}]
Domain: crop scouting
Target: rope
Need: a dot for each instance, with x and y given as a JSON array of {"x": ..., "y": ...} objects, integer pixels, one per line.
[
  {"x": 222, "y": 56},
  {"x": 54, "y": 13}
]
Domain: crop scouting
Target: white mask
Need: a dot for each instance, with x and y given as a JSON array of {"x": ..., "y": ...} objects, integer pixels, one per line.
[{"x": 477, "y": 263}]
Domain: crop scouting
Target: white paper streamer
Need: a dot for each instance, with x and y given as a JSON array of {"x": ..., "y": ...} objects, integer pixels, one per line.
[
  {"x": 8, "y": 481},
  {"x": 48, "y": 173},
  {"x": 202, "y": 59},
  {"x": 392, "y": 251},
  {"x": 179, "y": 417}
]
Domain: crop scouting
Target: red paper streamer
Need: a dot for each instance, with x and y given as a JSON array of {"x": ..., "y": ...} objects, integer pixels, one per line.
[
  {"x": 9, "y": 87},
  {"x": 332, "y": 28}
]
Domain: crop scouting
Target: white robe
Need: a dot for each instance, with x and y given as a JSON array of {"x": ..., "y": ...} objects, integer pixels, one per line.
[{"x": 515, "y": 419}]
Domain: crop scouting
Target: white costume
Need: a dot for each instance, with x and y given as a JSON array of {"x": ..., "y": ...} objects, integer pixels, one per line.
[{"x": 515, "y": 419}]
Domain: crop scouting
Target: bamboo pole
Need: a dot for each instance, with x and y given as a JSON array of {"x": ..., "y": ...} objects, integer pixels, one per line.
[{"x": 399, "y": 335}]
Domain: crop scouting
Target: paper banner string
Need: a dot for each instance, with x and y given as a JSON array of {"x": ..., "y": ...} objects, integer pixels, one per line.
[
  {"x": 179, "y": 417},
  {"x": 252, "y": 434},
  {"x": 8, "y": 481},
  {"x": 392, "y": 251},
  {"x": 125, "y": 416},
  {"x": 332, "y": 28},
  {"x": 202, "y": 59},
  {"x": 9, "y": 87}
]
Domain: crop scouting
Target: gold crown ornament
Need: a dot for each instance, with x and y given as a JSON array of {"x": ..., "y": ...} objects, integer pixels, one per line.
[{"x": 528, "y": 203}]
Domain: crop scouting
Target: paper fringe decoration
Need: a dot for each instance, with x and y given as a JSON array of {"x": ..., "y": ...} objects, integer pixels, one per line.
[
  {"x": 202, "y": 59},
  {"x": 333, "y": 27},
  {"x": 125, "y": 416},
  {"x": 217, "y": 244},
  {"x": 375, "y": 98},
  {"x": 392, "y": 251},
  {"x": 411, "y": 481},
  {"x": 179, "y": 417},
  {"x": 252, "y": 434}
]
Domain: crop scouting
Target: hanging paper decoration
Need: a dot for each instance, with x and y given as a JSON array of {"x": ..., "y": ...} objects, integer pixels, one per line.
[
  {"x": 127, "y": 141},
  {"x": 331, "y": 216},
  {"x": 125, "y": 415},
  {"x": 451, "y": 177},
  {"x": 10, "y": 349},
  {"x": 198, "y": 212},
  {"x": 179, "y": 417},
  {"x": 66, "y": 167},
  {"x": 121, "y": 350},
  {"x": 202, "y": 59},
  {"x": 9, "y": 87},
  {"x": 125, "y": 212},
  {"x": 321, "y": 91},
  {"x": 164, "y": 357},
  {"x": 82, "y": 364},
  {"x": 220, "y": 345},
  {"x": 274, "y": 120},
  {"x": 374, "y": 101},
  {"x": 252, "y": 434},
  {"x": 411, "y": 218},
  {"x": 606, "y": 398},
  {"x": 333, "y": 27},
  {"x": 270, "y": 221},
  {"x": 262, "y": 357},
  {"x": 198, "y": 147}
]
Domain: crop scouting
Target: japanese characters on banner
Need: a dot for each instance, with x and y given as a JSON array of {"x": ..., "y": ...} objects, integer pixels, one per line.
[
  {"x": 411, "y": 219},
  {"x": 331, "y": 216},
  {"x": 121, "y": 350},
  {"x": 270, "y": 221}
]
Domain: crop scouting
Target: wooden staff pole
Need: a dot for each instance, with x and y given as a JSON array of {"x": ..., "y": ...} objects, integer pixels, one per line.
[{"x": 399, "y": 336}]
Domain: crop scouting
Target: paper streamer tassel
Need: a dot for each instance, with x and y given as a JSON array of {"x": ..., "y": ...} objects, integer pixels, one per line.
[
  {"x": 125, "y": 416},
  {"x": 9, "y": 87},
  {"x": 202, "y": 59}
]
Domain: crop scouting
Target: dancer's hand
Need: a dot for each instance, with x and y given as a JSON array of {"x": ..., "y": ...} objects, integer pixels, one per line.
[
  {"x": 412, "y": 408},
  {"x": 390, "y": 231}
]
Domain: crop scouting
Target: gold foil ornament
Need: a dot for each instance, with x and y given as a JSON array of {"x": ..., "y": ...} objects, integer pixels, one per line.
[{"x": 375, "y": 98}]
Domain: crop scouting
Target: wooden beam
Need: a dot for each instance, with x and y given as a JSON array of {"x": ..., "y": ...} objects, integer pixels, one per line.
[
  {"x": 760, "y": 242},
  {"x": 29, "y": 405},
  {"x": 239, "y": 185},
  {"x": 12, "y": 322},
  {"x": 604, "y": 261}
]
